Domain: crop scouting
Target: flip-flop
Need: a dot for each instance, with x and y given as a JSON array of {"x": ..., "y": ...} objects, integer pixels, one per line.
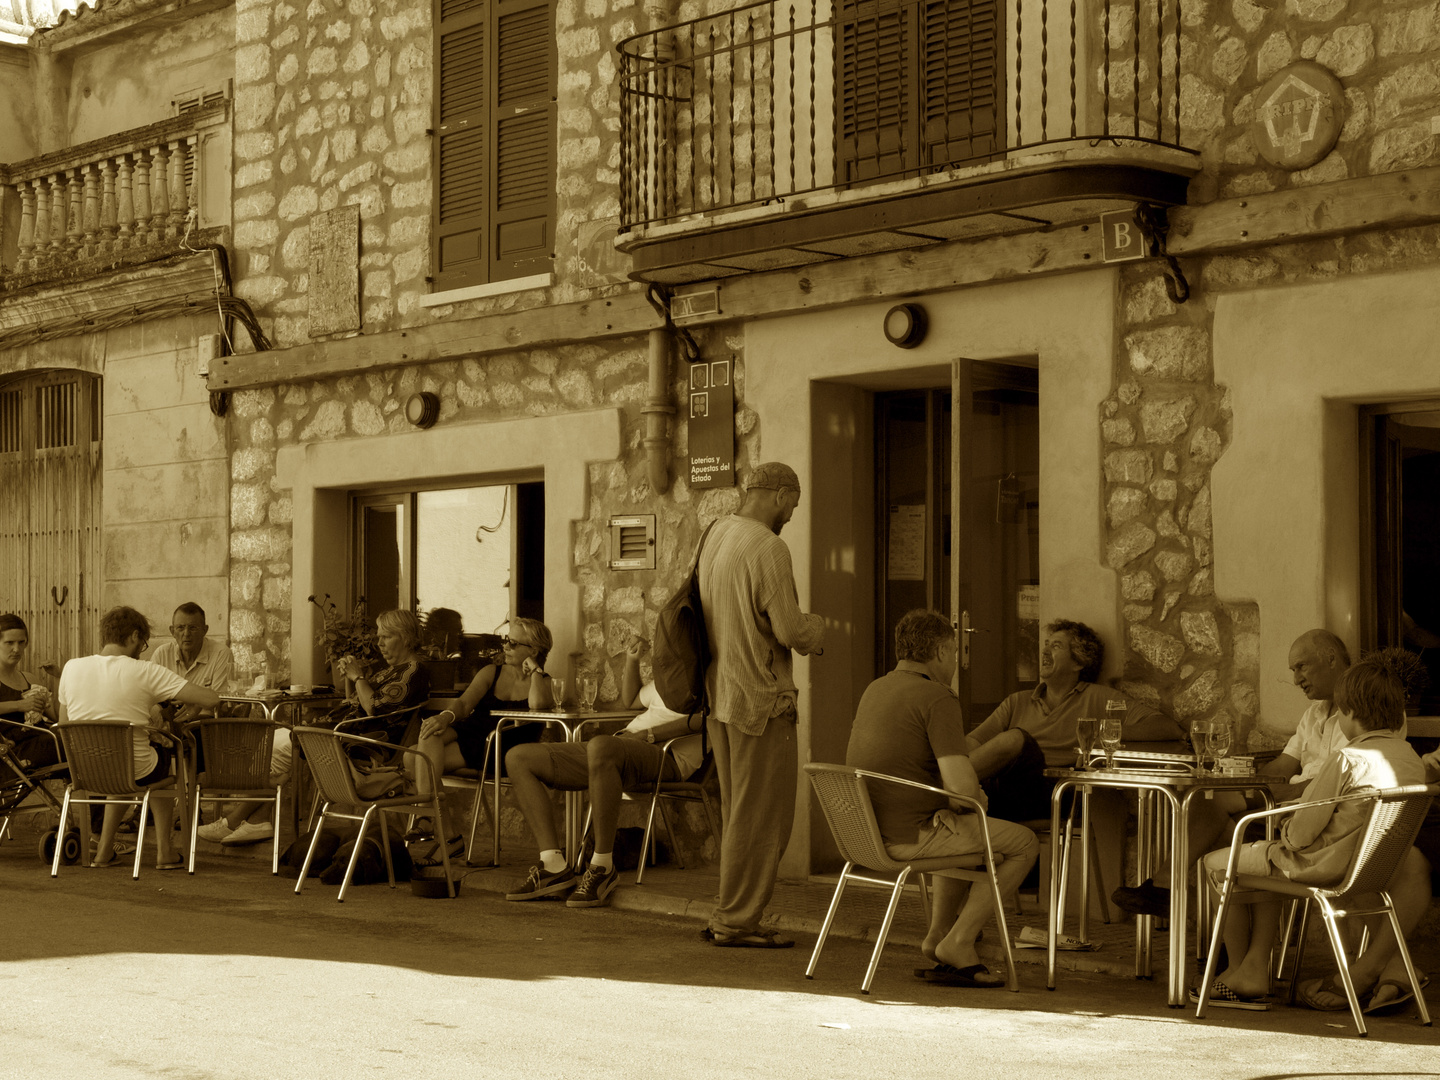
[
  {"x": 115, "y": 861},
  {"x": 1222, "y": 997},
  {"x": 1403, "y": 994},
  {"x": 943, "y": 974},
  {"x": 749, "y": 941},
  {"x": 177, "y": 863},
  {"x": 1331, "y": 985}
]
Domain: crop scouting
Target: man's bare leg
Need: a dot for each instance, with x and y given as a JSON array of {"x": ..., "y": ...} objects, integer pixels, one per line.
[
  {"x": 105, "y": 845},
  {"x": 958, "y": 946},
  {"x": 947, "y": 896},
  {"x": 1250, "y": 931},
  {"x": 531, "y": 776}
]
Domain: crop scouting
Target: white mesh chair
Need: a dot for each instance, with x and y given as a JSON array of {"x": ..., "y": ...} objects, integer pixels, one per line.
[
  {"x": 845, "y": 799},
  {"x": 1394, "y": 822}
]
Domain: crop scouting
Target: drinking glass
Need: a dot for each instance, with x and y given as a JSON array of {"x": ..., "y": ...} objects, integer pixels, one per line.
[
  {"x": 1200, "y": 740},
  {"x": 1086, "y": 728},
  {"x": 557, "y": 687},
  {"x": 589, "y": 687},
  {"x": 1111, "y": 729},
  {"x": 1218, "y": 741}
]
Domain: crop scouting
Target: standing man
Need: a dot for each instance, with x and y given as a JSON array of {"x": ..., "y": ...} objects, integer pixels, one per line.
[
  {"x": 908, "y": 725},
  {"x": 753, "y": 620}
]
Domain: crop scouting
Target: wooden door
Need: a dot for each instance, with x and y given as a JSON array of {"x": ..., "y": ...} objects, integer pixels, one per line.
[{"x": 50, "y": 490}]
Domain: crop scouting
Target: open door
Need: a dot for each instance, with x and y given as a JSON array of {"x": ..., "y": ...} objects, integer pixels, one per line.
[{"x": 995, "y": 439}]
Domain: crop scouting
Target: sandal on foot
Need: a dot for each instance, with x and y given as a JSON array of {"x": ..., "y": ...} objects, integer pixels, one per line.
[
  {"x": 760, "y": 939},
  {"x": 1309, "y": 993},
  {"x": 974, "y": 976},
  {"x": 177, "y": 863},
  {"x": 1222, "y": 997},
  {"x": 1403, "y": 995},
  {"x": 423, "y": 829}
]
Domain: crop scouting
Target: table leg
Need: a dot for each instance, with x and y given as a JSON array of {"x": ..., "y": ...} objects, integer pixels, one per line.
[
  {"x": 1054, "y": 913},
  {"x": 1143, "y": 923},
  {"x": 1179, "y": 892},
  {"x": 1084, "y": 794}
]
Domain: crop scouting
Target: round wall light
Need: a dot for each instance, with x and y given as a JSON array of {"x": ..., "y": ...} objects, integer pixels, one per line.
[
  {"x": 905, "y": 325},
  {"x": 423, "y": 409}
]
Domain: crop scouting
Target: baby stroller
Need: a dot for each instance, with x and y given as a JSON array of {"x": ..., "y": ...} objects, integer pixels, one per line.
[{"x": 33, "y": 790}]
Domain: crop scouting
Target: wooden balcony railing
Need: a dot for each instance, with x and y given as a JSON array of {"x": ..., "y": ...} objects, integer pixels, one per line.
[
  {"x": 781, "y": 98},
  {"x": 126, "y": 198}
]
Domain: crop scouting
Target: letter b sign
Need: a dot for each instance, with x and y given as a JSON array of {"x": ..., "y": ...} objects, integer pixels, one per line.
[{"x": 1120, "y": 237}]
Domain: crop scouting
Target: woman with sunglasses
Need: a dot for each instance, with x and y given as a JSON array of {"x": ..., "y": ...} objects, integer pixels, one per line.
[
  {"x": 22, "y": 700},
  {"x": 456, "y": 739}
]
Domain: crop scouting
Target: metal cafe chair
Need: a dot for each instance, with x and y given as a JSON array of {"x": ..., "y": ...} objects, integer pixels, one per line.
[
  {"x": 101, "y": 755},
  {"x": 845, "y": 798},
  {"x": 1395, "y": 819},
  {"x": 237, "y": 766},
  {"x": 326, "y": 753}
]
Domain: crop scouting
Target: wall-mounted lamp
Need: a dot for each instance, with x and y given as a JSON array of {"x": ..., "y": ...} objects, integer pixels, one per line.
[
  {"x": 423, "y": 409},
  {"x": 905, "y": 325}
]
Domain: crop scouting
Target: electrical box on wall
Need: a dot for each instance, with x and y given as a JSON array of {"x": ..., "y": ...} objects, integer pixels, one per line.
[{"x": 632, "y": 542}]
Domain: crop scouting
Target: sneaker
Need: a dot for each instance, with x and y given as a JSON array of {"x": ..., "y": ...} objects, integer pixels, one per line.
[
  {"x": 250, "y": 832},
  {"x": 215, "y": 832},
  {"x": 1146, "y": 898},
  {"x": 539, "y": 884},
  {"x": 595, "y": 888}
]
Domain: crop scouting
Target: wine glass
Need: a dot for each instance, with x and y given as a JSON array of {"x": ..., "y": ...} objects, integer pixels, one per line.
[
  {"x": 1086, "y": 728},
  {"x": 1111, "y": 728},
  {"x": 1218, "y": 741},
  {"x": 557, "y": 687},
  {"x": 1200, "y": 739},
  {"x": 589, "y": 687}
]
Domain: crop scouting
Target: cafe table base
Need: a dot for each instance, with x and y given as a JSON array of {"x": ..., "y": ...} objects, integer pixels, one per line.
[{"x": 1178, "y": 791}]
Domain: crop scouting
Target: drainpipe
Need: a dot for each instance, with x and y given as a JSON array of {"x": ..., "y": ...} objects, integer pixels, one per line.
[{"x": 658, "y": 409}]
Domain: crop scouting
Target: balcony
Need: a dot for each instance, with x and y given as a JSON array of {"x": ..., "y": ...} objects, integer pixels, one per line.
[
  {"x": 127, "y": 199},
  {"x": 790, "y": 132}
]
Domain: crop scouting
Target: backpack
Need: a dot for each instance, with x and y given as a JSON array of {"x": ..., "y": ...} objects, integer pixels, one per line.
[{"x": 681, "y": 651}]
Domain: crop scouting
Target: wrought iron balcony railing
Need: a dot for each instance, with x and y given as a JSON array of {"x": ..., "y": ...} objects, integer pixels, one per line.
[{"x": 787, "y": 97}]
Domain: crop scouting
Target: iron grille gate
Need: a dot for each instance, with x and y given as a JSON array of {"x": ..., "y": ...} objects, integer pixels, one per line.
[{"x": 50, "y": 493}]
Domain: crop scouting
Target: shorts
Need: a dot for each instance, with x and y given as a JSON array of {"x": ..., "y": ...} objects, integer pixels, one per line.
[
  {"x": 164, "y": 756},
  {"x": 952, "y": 833},
  {"x": 1254, "y": 860},
  {"x": 640, "y": 766}
]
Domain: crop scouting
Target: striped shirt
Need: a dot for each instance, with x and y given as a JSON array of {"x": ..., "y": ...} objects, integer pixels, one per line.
[{"x": 753, "y": 620}]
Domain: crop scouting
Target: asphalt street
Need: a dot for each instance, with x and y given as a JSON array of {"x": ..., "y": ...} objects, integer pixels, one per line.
[{"x": 228, "y": 975}]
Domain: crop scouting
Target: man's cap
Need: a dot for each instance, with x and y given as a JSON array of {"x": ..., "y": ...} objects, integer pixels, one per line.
[{"x": 773, "y": 475}]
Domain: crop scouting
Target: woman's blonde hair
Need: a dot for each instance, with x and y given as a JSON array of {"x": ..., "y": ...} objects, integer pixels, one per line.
[
  {"x": 538, "y": 632},
  {"x": 403, "y": 623}
]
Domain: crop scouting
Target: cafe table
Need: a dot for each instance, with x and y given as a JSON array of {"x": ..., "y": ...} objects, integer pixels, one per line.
[
  {"x": 272, "y": 702},
  {"x": 1178, "y": 786},
  {"x": 574, "y": 724}
]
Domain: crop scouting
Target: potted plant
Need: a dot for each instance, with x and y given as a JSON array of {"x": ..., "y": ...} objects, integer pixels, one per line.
[{"x": 345, "y": 635}]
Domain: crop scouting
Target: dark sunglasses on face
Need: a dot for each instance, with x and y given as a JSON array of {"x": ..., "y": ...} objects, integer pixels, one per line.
[{"x": 511, "y": 643}]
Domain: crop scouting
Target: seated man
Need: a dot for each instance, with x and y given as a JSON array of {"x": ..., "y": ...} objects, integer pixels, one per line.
[
  {"x": 115, "y": 684},
  {"x": 608, "y": 765},
  {"x": 908, "y": 725},
  {"x": 1033, "y": 730}
]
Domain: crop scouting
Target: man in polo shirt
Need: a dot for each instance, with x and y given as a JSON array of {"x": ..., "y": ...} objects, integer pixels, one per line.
[
  {"x": 908, "y": 725},
  {"x": 1033, "y": 730},
  {"x": 193, "y": 656},
  {"x": 753, "y": 620}
]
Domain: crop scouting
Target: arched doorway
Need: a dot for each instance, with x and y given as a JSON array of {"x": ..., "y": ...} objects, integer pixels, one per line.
[{"x": 50, "y": 490}]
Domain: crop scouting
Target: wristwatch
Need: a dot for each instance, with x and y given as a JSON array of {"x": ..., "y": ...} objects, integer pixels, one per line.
[{"x": 650, "y": 736}]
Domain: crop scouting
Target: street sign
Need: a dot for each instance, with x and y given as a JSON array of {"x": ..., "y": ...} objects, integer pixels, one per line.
[
  {"x": 710, "y": 407},
  {"x": 1121, "y": 238}
]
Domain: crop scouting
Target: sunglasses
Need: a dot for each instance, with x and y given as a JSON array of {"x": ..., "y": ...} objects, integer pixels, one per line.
[{"x": 512, "y": 643}]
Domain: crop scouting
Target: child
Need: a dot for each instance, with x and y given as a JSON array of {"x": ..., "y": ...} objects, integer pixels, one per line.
[{"x": 1316, "y": 844}]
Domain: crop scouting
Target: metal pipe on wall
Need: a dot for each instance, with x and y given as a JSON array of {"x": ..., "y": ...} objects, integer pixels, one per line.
[{"x": 658, "y": 409}]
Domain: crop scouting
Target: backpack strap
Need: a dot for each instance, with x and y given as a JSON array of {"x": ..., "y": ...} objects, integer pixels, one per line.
[{"x": 695, "y": 592}]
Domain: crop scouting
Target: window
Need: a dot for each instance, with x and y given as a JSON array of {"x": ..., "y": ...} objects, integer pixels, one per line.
[
  {"x": 1405, "y": 534},
  {"x": 920, "y": 85},
  {"x": 475, "y": 550},
  {"x": 494, "y": 158}
]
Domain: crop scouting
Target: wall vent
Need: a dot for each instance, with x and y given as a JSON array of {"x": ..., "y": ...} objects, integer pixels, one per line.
[{"x": 632, "y": 542}]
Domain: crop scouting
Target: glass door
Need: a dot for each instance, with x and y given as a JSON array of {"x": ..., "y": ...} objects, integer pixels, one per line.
[{"x": 995, "y": 463}]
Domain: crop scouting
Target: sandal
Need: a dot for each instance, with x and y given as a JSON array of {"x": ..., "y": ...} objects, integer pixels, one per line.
[
  {"x": 177, "y": 863},
  {"x": 423, "y": 829},
  {"x": 1309, "y": 994},
  {"x": 1222, "y": 997},
  {"x": 1403, "y": 995},
  {"x": 455, "y": 847},
  {"x": 761, "y": 939},
  {"x": 975, "y": 976}
]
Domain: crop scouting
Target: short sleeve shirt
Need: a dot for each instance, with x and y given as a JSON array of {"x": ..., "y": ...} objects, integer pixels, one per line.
[
  {"x": 904, "y": 724},
  {"x": 1316, "y": 738},
  {"x": 117, "y": 688},
  {"x": 688, "y": 752}
]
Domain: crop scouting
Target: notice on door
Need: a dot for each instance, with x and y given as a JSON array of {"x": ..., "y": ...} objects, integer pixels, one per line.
[
  {"x": 711, "y": 412},
  {"x": 907, "y": 543}
]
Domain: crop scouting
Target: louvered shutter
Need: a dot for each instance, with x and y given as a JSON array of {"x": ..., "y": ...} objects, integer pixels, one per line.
[
  {"x": 876, "y": 76},
  {"x": 524, "y": 119},
  {"x": 961, "y": 81},
  {"x": 460, "y": 208}
]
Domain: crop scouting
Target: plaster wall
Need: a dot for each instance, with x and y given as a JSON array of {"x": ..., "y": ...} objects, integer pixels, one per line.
[
  {"x": 131, "y": 82},
  {"x": 17, "y": 117},
  {"x": 1298, "y": 361},
  {"x": 1067, "y": 324},
  {"x": 166, "y": 478}
]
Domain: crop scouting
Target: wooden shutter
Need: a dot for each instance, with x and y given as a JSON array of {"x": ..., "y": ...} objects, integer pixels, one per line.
[
  {"x": 522, "y": 228},
  {"x": 876, "y": 76},
  {"x": 961, "y": 80},
  {"x": 460, "y": 208}
]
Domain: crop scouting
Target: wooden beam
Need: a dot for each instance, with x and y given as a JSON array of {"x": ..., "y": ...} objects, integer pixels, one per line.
[
  {"x": 1390, "y": 201},
  {"x": 505, "y": 331}
]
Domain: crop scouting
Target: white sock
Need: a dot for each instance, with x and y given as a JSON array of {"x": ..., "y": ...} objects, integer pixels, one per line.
[
  {"x": 553, "y": 860},
  {"x": 604, "y": 862}
]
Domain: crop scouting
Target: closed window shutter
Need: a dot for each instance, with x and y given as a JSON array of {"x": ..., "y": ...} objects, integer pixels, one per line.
[
  {"x": 876, "y": 115},
  {"x": 460, "y": 208},
  {"x": 522, "y": 227},
  {"x": 961, "y": 80}
]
